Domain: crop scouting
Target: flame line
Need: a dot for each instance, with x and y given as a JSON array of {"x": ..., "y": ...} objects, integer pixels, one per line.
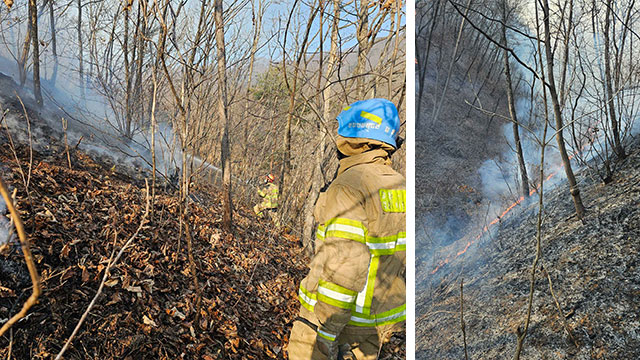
[{"x": 533, "y": 191}]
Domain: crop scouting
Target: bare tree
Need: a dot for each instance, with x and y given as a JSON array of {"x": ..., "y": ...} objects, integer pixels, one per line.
[
  {"x": 524, "y": 179},
  {"x": 224, "y": 116},
  {"x": 33, "y": 16}
]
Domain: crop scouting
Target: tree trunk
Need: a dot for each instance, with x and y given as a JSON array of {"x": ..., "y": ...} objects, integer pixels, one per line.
[
  {"x": 257, "y": 25},
  {"x": 573, "y": 186},
  {"x": 54, "y": 46},
  {"x": 127, "y": 73},
  {"x": 286, "y": 159},
  {"x": 80, "y": 50},
  {"x": 318, "y": 180},
  {"x": 524, "y": 179},
  {"x": 22, "y": 61},
  {"x": 33, "y": 11},
  {"x": 362, "y": 35},
  {"x": 227, "y": 220},
  {"x": 617, "y": 146},
  {"x": 140, "y": 31}
]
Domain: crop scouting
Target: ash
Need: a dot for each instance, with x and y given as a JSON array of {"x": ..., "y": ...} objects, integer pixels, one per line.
[{"x": 593, "y": 267}]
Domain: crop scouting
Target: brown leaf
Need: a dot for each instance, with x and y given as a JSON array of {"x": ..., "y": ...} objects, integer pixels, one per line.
[
  {"x": 9, "y": 3},
  {"x": 148, "y": 321},
  {"x": 85, "y": 274},
  {"x": 6, "y": 292}
]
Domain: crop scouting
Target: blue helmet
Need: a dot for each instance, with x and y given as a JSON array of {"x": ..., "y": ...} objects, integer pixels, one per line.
[{"x": 375, "y": 119}]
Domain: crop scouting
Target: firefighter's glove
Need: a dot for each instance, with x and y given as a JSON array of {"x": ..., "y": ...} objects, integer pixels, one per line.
[
  {"x": 345, "y": 353},
  {"x": 327, "y": 347}
]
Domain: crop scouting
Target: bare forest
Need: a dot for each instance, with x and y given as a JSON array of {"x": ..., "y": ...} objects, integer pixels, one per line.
[
  {"x": 527, "y": 123},
  {"x": 134, "y": 136}
]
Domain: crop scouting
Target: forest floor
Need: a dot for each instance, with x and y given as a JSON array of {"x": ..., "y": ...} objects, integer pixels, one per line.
[
  {"x": 592, "y": 266},
  {"x": 76, "y": 217}
]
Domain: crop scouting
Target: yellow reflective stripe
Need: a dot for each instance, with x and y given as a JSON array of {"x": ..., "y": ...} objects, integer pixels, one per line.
[
  {"x": 355, "y": 230},
  {"x": 393, "y": 201},
  {"x": 365, "y": 297},
  {"x": 347, "y": 108},
  {"x": 337, "y": 288},
  {"x": 373, "y": 271},
  {"x": 346, "y": 228},
  {"x": 395, "y": 315},
  {"x": 336, "y": 295},
  {"x": 401, "y": 244},
  {"x": 387, "y": 245},
  {"x": 326, "y": 335},
  {"x": 369, "y": 116},
  {"x": 307, "y": 298}
]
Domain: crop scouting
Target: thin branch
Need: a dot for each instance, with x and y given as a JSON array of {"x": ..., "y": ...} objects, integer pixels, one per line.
[{"x": 26, "y": 250}]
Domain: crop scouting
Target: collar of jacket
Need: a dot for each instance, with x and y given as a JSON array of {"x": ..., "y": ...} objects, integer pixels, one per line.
[{"x": 375, "y": 156}]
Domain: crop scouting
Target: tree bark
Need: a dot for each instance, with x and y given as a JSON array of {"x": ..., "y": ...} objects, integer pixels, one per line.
[
  {"x": 54, "y": 44},
  {"x": 318, "y": 180},
  {"x": 524, "y": 179},
  {"x": 127, "y": 72},
  {"x": 80, "y": 49},
  {"x": 227, "y": 220},
  {"x": 33, "y": 12},
  {"x": 292, "y": 87},
  {"x": 573, "y": 185},
  {"x": 617, "y": 146}
]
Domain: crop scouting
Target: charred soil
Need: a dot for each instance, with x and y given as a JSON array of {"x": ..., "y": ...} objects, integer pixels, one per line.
[{"x": 593, "y": 267}]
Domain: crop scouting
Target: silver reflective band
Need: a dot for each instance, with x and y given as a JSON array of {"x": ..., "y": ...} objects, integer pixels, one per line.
[
  {"x": 402, "y": 241},
  {"x": 355, "y": 318},
  {"x": 336, "y": 295},
  {"x": 327, "y": 335},
  {"x": 346, "y": 228},
  {"x": 307, "y": 299},
  {"x": 382, "y": 246},
  {"x": 362, "y": 295}
]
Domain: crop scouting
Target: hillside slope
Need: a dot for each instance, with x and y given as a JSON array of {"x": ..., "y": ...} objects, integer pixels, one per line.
[
  {"x": 593, "y": 267},
  {"x": 76, "y": 217}
]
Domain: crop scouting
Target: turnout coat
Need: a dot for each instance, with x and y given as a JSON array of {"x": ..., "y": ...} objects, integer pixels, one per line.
[{"x": 356, "y": 282}]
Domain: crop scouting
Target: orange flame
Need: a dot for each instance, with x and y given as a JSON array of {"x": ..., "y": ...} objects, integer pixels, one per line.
[{"x": 486, "y": 228}]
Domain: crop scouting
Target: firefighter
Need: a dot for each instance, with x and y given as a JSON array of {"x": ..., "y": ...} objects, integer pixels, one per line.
[
  {"x": 269, "y": 196},
  {"x": 354, "y": 295}
]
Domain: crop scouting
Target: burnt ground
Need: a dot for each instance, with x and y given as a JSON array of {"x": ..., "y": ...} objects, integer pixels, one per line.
[
  {"x": 594, "y": 269},
  {"x": 75, "y": 217}
]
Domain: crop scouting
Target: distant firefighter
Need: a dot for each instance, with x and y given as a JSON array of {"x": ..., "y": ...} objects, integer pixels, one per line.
[
  {"x": 269, "y": 196},
  {"x": 353, "y": 298}
]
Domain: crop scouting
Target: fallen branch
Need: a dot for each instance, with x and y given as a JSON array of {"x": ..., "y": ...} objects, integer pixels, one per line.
[
  {"x": 107, "y": 271},
  {"x": 563, "y": 318},
  {"x": 66, "y": 142},
  {"x": 28, "y": 258}
]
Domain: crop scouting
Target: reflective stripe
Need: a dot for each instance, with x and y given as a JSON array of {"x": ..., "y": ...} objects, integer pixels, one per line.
[
  {"x": 387, "y": 245},
  {"x": 327, "y": 335},
  {"x": 369, "y": 116},
  {"x": 388, "y": 317},
  {"x": 401, "y": 244},
  {"x": 336, "y": 295},
  {"x": 365, "y": 297},
  {"x": 321, "y": 232},
  {"x": 355, "y": 230},
  {"x": 307, "y": 299},
  {"x": 346, "y": 229},
  {"x": 393, "y": 201}
]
